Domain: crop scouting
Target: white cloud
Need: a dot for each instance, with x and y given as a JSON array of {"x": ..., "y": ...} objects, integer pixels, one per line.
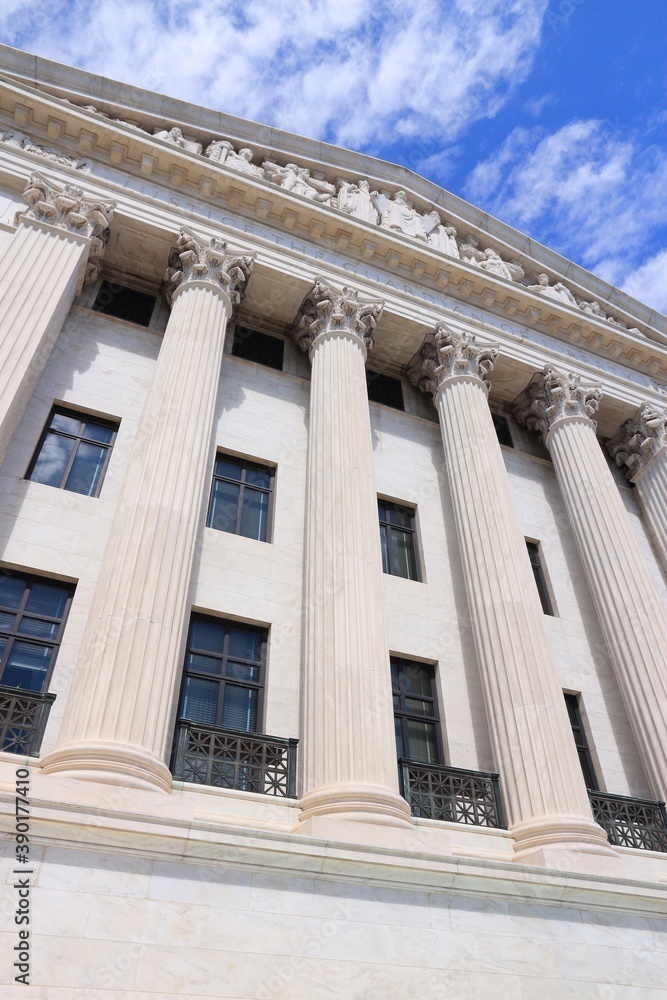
[
  {"x": 356, "y": 72},
  {"x": 585, "y": 190},
  {"x": 649, "y": 282}
]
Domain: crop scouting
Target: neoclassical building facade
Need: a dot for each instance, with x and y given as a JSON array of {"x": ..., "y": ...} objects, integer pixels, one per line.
[{"x": 333, "y": 554}]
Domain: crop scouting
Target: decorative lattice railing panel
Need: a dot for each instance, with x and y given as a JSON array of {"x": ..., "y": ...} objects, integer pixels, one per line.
[
  {"x": 452, "y": 794},
  {"x": 227, "y": 758},
  {"x": 631, "y": 822},
  {"x": 23, "y": 716}
]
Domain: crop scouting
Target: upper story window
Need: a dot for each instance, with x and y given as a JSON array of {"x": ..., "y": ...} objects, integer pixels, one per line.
[
  {"x": 580, "y": 741},
  {"x": 503, "y": 432},
  {"x": 124, "y": 303},
  {"x": 224, "y": 674},
  {"x": 73, "y": 452},
  {"x": 260, "y": 347},
  {"x": 32, "y": 617},
  {"x": 415, "y": 711},
  {"x": 535, "y": 555},
  {"x": 398, "y": 537},
  {"x": 384, "y": 389},
  {"x": 241, "y": 498}
]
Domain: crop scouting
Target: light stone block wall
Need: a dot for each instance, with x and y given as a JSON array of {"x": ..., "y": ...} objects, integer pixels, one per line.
[{"x": 109, "y": 927}]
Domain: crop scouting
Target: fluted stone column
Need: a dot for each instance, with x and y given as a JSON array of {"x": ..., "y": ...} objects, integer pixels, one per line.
[
  {"x": 116, "y": 724},
  {"x": 59, "y": 242},
  {"x": 641, "y": 447},
  {"x": 632, "y": 616},
  {"x": 348, "y": 748},
  {"x": 541, "y": 780}
]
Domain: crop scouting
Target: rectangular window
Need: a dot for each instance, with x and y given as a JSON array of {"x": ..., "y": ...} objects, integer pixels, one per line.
[
  {"x": 540, "y": 578},
  {"x": 73, "y": 452},
  {"x": 124, "y": 303},
  {"x": 224, "y": 674},
  {"x": 398, "y": 539},
  {"x": 259, "y": 347},
  {"x": 502, "y": 427},
  {"x": 580, "y": 741},
  {"x": 384, "y": 389},
  {"x": 241, "y": 498},
  {"x": 415, "y": 712},
  {"x": 32, "y": 617}
]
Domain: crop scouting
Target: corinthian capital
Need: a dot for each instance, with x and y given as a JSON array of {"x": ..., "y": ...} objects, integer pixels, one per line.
[
  {"x": 640, "y": 439},
  {"x": 198, "y": 261},
  {"x": 452, "y": 355},
  {"x": 327, "y": 310},
  {"x": 554, "y": 396},
  {"x": 68, "y": 210}
]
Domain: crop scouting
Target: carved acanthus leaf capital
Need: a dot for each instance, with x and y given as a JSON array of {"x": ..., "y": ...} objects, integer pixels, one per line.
[
  {"x": 452, "y": 355},
  {"x": 640, "y": 439},
  {"x": 68, "y": 210},
  {"x": 195, "y": 260},
  {"x": 327, "y": 310},
  {"x": 554, "y": 396}
]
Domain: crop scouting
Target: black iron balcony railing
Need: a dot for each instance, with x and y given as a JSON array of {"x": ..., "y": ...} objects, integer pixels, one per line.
[
  {"x": 23, "y": 716},
  {"x": 229, "y": 758},
  {"x": 631, "y": 822},
  {"x": 451, "y": 793}
]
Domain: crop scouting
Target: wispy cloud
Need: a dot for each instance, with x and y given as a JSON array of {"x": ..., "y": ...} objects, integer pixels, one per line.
[
  {"x": 355, "y": 72},
  {"x": 587, "y": 190}
]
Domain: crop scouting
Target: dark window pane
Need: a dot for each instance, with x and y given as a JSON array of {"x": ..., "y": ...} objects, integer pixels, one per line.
[
  {"x": 98, "y": 432},
  {"x": 418, "y": 707},
  {"x": 398, "y": 730},
  {"x": 47, "y": 600},
  {"x": 242, "y": 671},
  {"x": 384, "y": 389},
  {"x": 502, "y": 428},
  {"x": 239, "y": 710},
  {"x": 258, "y": 477},
  {"x": 540, "y": 578},
  {"x": 7, "y": 621},
  {"x": 422, "y": 742},
  {"x": 207, "y": 635},
  {"x": 204, "y": 664},
  {"x": 27, "y": 666},
  {"x": 402, "y": 517},
  {"x": 200, "y": 700},
  {"x": 384, "y": 542},
  {"x": 66, "y": 424},
  {"x": 259, "y": 347},
  {"x": 224, "y": 505},
  {"x": 12, "y": 589},
  {"x": 245, "y": 644},
  {"x": 228, "y": 470},
  {"x": 84, "y": 476},
  {"x": 38, "y": 628},
  {"x": 53, "y": 458},
  {"x": 402, "y": 555},
  {"x": 413, "y": 678},
  {"x": 124, "y": 303},
  {"x": 254, "y": 514}
]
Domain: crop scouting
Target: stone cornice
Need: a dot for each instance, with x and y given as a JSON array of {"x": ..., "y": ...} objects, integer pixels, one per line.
[
  {"x": 640, "y": 440},
  {"x": 326, "y": 310},
  {"x": 556, "y": 396},
  {"x": 207, "y": 264},
  {"x": 178, "y": 167}
]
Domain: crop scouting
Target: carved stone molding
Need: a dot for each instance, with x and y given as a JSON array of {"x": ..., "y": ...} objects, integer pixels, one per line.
[
  {"x": 640, "y": 439},
  {"x": 68, "y": 210},
  {"x": 452, "y": 355},
  {"x": 327, "y": 310},
  {"x": 555, "y": 396},
  {"x": 194, "y": 260}
]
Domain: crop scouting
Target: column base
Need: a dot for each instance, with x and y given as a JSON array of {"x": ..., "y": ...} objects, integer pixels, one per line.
[
  {"x": 536, "y": 839},
  {"x": 110, "y": 763},
  {"x": 360, "y": 803}
]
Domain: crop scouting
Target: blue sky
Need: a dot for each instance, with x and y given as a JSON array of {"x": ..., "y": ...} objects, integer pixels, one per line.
[{"x": 550, "y": 114}]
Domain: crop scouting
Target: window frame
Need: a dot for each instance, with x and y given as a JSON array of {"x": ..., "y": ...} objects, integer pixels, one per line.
[
  {"x": 245, "y": 463},
  {"x": 261, "y": 333},
  {"x": 405, "y": 715},
  {"x": 222, "y": 680},
  {"x": 582, "y": 746},
  {"x": 14, "y": 635},
  {"x": 85, "y": 417},
  {"x": 535, "y": 555},
  {"x": 412, "y": 531},
  {"x": 371, "y": 375}
]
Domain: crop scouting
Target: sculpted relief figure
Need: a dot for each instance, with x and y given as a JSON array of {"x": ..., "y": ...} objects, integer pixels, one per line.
[
  {"x": 494, "y": 264},
  {"x": 470, "y": 252},
  {"x": 592, "y": 308},
  {"x": 291, "y": 177},
  {"x": 399, "y": 214},
  {"x": 440, "y": 236},
  {"x": 221, "y": 151},
  {"x": 357, "y": 200},
  {"x": 176, "y": 137},
  {"x": 557, "y": 291}
]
